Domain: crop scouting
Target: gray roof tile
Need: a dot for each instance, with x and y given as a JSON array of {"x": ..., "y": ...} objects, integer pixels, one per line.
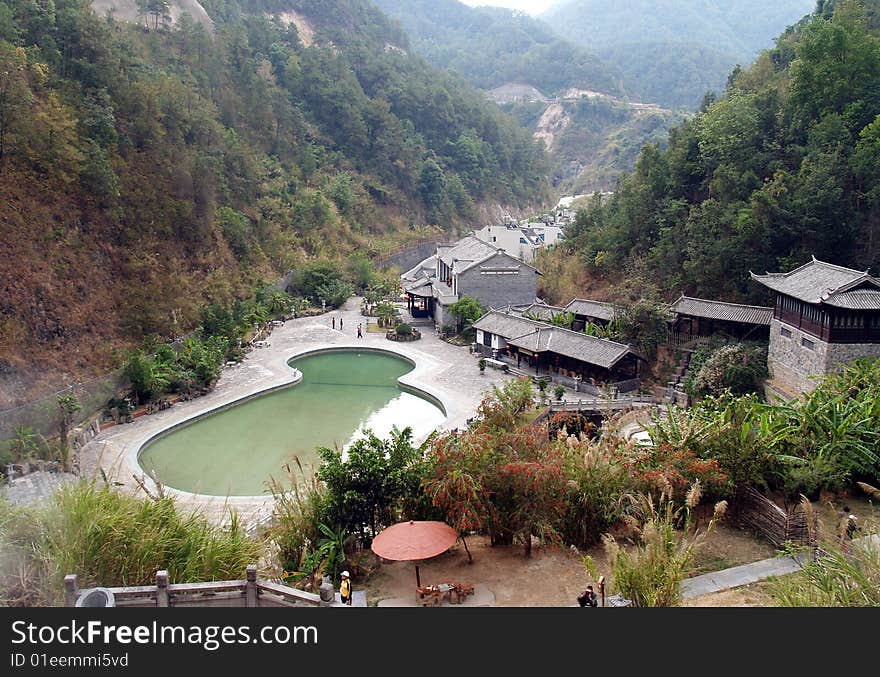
[
  {"x": 540, "y": 337},
  {"x": 598, "y": 309},
  {"x": 721, "y": 310},
  {"x": 815, "y": 281}
]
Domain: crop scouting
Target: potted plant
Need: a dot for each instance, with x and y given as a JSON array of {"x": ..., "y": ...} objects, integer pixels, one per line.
[
  {"x": 559, "y": 392},
  {"x": 542, "y": 388},
  {"x": 482, "y": 364}
]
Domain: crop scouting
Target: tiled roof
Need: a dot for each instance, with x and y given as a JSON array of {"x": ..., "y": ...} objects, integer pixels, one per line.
[
  {"x": 542, "y": 311},
  {"x": 721, "y": 310},
  {"x": 816, "y": 281},
  {"x": 598, "y": 309},
  {"x": 469, "y": 248},
  {"x": 539, "y": 337},
  {"x": 423, "y": 269},
  {"x": 858, "y": 299},
  {"x": 420, "y": 288}
]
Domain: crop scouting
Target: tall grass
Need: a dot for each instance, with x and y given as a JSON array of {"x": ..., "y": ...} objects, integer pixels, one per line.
[
  {"x": 296, "y": 523},
  {"x": 111, "y": 539},
  {"x": 651, "y": 571},
  {"x": 838, "y": 577}
]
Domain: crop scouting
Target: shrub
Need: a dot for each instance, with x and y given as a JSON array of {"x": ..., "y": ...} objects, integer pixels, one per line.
[
  {"x": 559, "y": 392},
  {"x": 482, "y": 364},
  {"x": 739, "y": 368},
  {"x": 403, "y": 329}
]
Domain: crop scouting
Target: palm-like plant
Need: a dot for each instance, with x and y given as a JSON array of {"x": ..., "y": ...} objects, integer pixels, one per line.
[{"x": 387, "y": 314}]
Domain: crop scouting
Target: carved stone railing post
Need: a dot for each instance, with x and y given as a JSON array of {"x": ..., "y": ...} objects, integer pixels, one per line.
[
  {"x": 251, "y": 587},
  {"x": 71, "y": 590},
  {"x": 162, "y": 598}
]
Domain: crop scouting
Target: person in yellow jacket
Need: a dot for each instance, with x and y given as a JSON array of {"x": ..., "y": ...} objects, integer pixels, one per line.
[{"x": 345, "y": 588}]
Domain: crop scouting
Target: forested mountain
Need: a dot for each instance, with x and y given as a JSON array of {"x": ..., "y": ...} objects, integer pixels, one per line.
[
  {"x": 492, "y": 46},
  {"x": 540, "y": 79},
  {"x": 781, "y": 168},
  {"x": 144, "y": 173},
  {"x": 670, "y": 50}
]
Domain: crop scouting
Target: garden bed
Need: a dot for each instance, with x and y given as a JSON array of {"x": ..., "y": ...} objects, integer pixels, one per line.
[{"x": 392, "y": 335}]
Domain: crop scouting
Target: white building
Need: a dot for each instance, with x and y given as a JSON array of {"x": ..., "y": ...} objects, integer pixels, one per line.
[{"x": 523, "y": 242}]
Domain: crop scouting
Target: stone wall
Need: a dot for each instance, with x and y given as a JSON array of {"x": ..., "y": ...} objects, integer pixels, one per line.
[
  {"x": 800, "y": 361},
  {"x": 408, "y": 258}
]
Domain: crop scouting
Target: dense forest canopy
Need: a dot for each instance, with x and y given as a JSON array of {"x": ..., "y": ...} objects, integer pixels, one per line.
[
  {"x": 146, "y": 172},
  {"x": 781, "y": 168},
  {"x": 672, "y": 51}
]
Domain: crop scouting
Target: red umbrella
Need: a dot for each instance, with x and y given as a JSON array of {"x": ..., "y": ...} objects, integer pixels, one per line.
[{"x": 414, "y": 541}]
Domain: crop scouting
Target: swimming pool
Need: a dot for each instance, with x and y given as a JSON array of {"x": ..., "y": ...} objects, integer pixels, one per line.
[{"x": 233, "y": 452}]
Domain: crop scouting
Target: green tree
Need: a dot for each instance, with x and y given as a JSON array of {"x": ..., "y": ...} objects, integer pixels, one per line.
[
  {"x": 432, "y": 186},
  {"x": 15, "y": 94},
  {"x": 467, "y": 310},
  {"x": 376, "y": 484}
]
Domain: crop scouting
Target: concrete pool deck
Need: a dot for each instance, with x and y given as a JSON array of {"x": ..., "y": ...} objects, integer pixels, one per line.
[{"x": 446, "y": 372}]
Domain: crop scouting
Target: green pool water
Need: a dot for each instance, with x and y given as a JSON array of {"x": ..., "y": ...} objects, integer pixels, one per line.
[{"x": 342, "y": 393}]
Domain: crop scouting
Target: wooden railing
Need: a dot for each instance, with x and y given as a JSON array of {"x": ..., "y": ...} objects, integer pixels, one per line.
[{"x": 250, "y": 592}]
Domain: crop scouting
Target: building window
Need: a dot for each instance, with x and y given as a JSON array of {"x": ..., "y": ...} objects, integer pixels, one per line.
[
  {"x": 807, "y": 343},
  {"x": 785, "y": 332},
  {"x": 487, "y": 339}
]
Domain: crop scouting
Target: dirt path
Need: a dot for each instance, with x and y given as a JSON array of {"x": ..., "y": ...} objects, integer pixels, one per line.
[{"x": 549, "y": 578}]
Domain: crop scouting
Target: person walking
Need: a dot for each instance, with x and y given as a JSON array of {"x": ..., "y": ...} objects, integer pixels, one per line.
[
  {"x": 345, "y": 588},
  {"x": 340, "y": 324},
  {"x": 333, "y": 320},
  {"x": 360, "y": 333}
]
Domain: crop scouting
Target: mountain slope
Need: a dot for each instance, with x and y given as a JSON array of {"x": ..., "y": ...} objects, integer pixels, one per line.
[
  {"x": 781, "y": 168},
  {"x": 532, "y": 74},
  {"x": 696, "y": 41},
  {"x": 146, "y": 173},
  {"x": 491, "y": 46}
]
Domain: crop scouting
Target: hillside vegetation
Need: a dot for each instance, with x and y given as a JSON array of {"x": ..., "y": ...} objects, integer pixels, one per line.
[
  {"x": 672, "y": 51},
  {"x": 146, "y": 173},
  {"x": 531, "y": 73},
  {"x": 593, "y": 139},
  {"x": 492, "y": 46},
  {"x": 781, "y": 168}
]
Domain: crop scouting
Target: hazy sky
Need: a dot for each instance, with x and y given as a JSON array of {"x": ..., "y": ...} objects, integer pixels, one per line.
[{"x": 530, "y": 6}]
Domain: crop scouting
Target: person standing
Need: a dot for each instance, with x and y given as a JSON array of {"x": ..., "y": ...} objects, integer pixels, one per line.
[
  {"x": 340, "y": 324},
  {"x": 333, "y": 320},
  {"x": 345, "y": 588},
  {"x": 360, "y": 333}
]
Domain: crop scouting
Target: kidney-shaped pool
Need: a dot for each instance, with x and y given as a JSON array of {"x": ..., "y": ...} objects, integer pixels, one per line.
[{"x": 234, "y": 451}]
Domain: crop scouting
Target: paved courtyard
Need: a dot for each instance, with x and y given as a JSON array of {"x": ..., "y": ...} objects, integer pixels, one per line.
[
  {"x": 35, "y": 487},
  {"x": 447, "y": 372}
]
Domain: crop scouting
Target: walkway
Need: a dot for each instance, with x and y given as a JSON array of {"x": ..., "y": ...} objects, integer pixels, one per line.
[
  {"x": 734, "y": 577},
  {"x": 448, "y": 372},
  {"x": 36, "y": 487},
  {"x": 754, "y": 572}
]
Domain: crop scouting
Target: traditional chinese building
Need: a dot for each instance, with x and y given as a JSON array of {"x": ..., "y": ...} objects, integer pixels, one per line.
[
  {"x": 470, "y": 267},
  {"x": 556, "y": 351},
  {"x": 694, "y": 319},
  {"x": 824, "y": 316}
]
